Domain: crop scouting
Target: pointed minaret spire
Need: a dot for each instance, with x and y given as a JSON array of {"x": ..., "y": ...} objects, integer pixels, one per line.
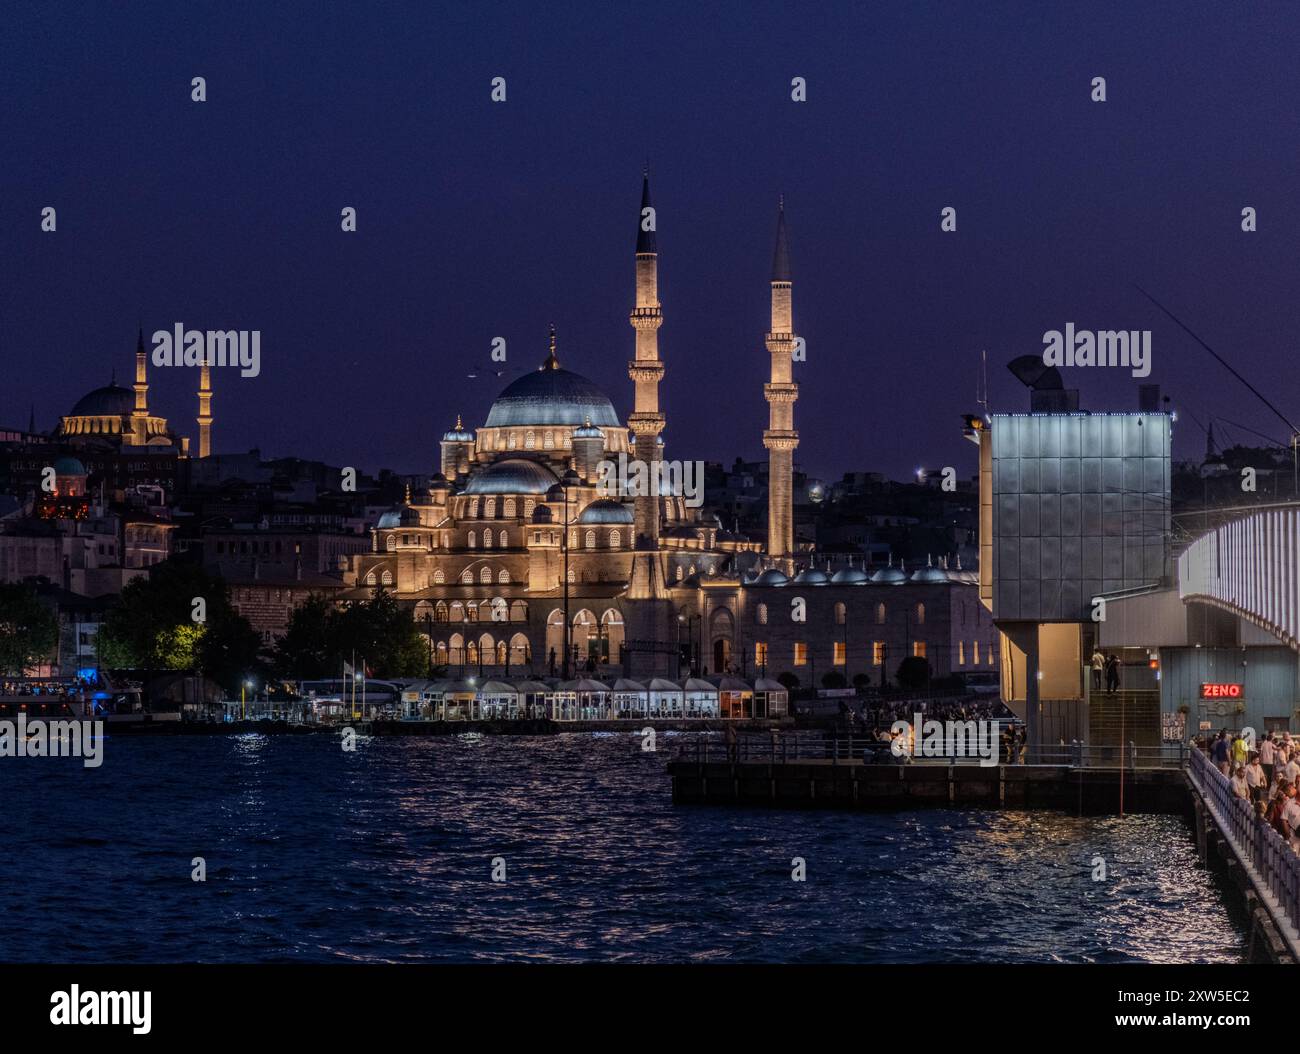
[
  {"x": 780, "y": 438},
  {"x": 551, "y": 363},
  {"x": 781, "y": 255},
  {"x": 31, "y": 420},
  {"x": 645, "y": 230}
]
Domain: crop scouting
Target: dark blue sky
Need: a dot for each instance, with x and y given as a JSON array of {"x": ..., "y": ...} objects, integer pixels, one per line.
[{"x": 479, "y": 219}]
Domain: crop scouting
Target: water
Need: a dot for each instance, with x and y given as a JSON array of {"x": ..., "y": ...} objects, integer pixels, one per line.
[{"x": 384, "y": 854}]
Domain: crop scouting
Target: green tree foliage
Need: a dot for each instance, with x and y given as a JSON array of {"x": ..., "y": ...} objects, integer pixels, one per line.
[
  {"x": 788, "y": 681},
  {"x": 29, "y": 631},
  {"x": 834, "y": 679},
  {"x": 154, "y": 627},
  {"x": 321, "y": 637}
]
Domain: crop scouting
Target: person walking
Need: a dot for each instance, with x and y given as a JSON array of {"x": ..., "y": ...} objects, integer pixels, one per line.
[
  {"x": 1112, "y": 673},
  {"x": 1098, "y": 668}
]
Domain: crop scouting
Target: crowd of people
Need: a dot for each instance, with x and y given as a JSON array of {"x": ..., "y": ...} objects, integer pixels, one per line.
[{"x": 1265, "y": 774}]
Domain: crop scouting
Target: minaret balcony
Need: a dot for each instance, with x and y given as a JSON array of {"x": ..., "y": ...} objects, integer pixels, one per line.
[
  {"x": 775, "y": 439},
  {"x": 646, "y": 318},
  {"x": 645, "y": 370},
  {"x": 781, "y": 393}
]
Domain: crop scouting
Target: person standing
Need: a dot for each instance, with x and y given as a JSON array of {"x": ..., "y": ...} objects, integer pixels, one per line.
[
  {"x": 1112, "y": 673},
  {"x": 1098, "y": 668},
  {"x": 1266, "y": 753}
]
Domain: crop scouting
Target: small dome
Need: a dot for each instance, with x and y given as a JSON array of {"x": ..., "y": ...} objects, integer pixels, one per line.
[
  {"x": 890, "y": 576},
  {"x": 69, "y": 466},
  {"x": 929, "y": 574},
  {"x": 588, "y": 430},
  {"x": 606, "y": 510},
  {"x": 812, "y": 576},
  {"x": 514, "y": 475},
  {"x": 392, "y": 518},
  {"x": 109, "y": 401},
  {"x": 849, "y": 576},
  {"x": 409, "y": 518},
  {"x": 771, "y": 577},
  {"x": 542, "y": 514}
]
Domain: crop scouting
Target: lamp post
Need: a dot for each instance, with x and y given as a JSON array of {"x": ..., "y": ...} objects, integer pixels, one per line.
[
  {"x": 246, "y": 684},
  {"x": 560, "y": 492}
]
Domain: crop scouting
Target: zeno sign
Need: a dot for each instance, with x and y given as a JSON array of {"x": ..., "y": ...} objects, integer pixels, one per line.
[{"x": 1221, "y": 691}]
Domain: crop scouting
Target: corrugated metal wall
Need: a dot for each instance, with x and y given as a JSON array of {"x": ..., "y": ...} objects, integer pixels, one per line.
[{"x": 1269, "y": 677}]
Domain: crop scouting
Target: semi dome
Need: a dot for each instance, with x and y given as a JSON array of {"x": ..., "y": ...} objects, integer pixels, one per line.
[
  {"x": 929, "y": 574},
  {"x": 514, "y": 475},
  {"x": 392, "y": 518},
  {"x": 889, "y": 576},
  {"x": 771, "y": 577},
  {"x": 109, "y": 401},
  {"x": 811, "y": 577},
  {"x": 606, "y": 510},
  {"x": 552, "y": 396},
  {"x": 849, "y": 576}
]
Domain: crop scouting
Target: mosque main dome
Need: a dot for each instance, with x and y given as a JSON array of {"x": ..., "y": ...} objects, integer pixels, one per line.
[
  {"x": 552, "y": 396},
  {"x": 110, "y": 400}
]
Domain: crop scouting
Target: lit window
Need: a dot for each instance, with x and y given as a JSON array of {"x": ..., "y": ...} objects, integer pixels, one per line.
[
  {"x": 760, "y": 653},
  {"x": 877, "y": 653},
  {"x": 840, "y": 613},
  {"x": 920, "y": 614},
  {"x": 839, "y": 659},
  {"x": 800, "y": 653},
  {"x": 762, "y": 614},
  {"x": 961, "y": 653},
  {"x": 918, "y": 649},
  {"x": 880, "y": 614},
  {"x": 975, "y": 650}
]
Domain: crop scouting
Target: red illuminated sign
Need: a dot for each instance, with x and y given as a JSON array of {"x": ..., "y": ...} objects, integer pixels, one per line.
[{"x": 1221, "y": 691}]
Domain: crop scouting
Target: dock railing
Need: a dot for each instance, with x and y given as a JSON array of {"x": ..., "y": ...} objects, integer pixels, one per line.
[
  {"x": 787, "y": 746},
  {"x": 1276, "y": 866}
]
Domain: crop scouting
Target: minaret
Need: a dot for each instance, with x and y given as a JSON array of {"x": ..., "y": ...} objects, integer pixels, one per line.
[
  {"x": 205, "y": 408},
  {"x": 781, "y": 392},
  {"x": 653, "y": 633},
  {"x": 139, "y": 416},
  {"x": 646, "y": 371}
]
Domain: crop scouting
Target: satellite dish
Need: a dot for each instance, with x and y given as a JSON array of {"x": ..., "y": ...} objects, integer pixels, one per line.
[{"x": 1032, "y": 372}]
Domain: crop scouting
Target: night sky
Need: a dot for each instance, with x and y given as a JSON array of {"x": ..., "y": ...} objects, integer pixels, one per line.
[{"x": 479, "y": 220}]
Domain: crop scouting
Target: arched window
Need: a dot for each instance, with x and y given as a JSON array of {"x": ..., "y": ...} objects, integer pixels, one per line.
[
  {"x": 529, "y": 503},
  {"x": 590, "y": 540},
  {"x": 513, "y": 441},
  {"x": 920, "y": 614},
  {"x": 487, "y": 538},
  {"x": 473, "y": 508},
  {"x": 518, "y": 611},
  {"x": 761, "y": 614},
  {"x": 572, "y": 577},
  {"x": 467, "y": 577},
  {"x": 485, "y": 576},
  {"x": 438, "y": 577},
  {"x": 457, "y": 648},
  {"x": 615, "y": 539},
  {"x": 440, "y": 611},
  {"x": 503, "y": 578},
  {"x": 471, "y": 610},
  {"x": 509, "y": 511},
  {"x": 441, "y": 652},
  {"x": 386, "y": 578},
  {"x": 469, "y": 541},
  {"x": 390, "y": 543},
  {"x": 503, "y": 540},
  {"x": 457, "y": 612},
  {"x": 530, "y": 440},
  {"x": 370, "y": 578},
  {"x": 880, "y": 614},
  {"x": 501, "y": 653},
  {"x": 489, "y": 508},
  {"x": 839, "y": 613},
  {"x": 548, "y": 440}
]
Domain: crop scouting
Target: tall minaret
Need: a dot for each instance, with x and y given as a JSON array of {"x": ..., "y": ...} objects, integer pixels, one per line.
[
  {"x": 646, "y": 370},
  {"x": 139, "y": 416},
  {"x": 205, "y": 408},
  {"x": 781, "y": 392}
]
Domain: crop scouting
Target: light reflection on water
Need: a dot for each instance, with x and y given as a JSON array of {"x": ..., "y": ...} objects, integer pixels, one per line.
[{"x": 384, "y": 854}]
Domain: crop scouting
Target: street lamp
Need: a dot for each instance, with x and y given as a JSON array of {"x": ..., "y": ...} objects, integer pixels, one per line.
[
  {"x": 242, "y": 698},
  {"x": 560, "y": 492}
]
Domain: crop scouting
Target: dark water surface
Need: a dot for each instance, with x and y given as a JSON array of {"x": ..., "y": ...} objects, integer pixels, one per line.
[{"x": 384, "y": 854}]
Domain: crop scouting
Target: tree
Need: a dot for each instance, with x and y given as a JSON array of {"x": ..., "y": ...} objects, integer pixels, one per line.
[
  {"x": 379, "y": 631},
  {"x": 861, "y": 680},
  {"x": 788, "y": 681},
  {"x": 305, "y": 652},
  {"x": 154, "y": 627},
  {"x": 834, "y": 679},
  {"x": 913, "y": 673},
  {"x": 29, "y": 631}
]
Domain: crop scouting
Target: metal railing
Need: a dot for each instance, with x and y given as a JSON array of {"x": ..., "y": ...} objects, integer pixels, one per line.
[
  {"x": 868, "y": 750},
  {"x": 1275, "y": 863}
]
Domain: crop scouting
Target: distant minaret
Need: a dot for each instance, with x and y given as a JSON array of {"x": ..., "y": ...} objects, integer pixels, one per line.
[
  {"x": 781, "y": 392},
  {"x": 1210, "y": 451},
  {"x": 205, "y": 408},
  {"x": 139, "y": 416},
  {"x": 646, "y": 370}
]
